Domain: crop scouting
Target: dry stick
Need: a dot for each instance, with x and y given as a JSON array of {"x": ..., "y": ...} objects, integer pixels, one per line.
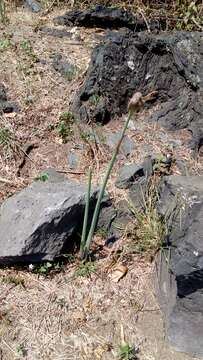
[
  {"x": 101, "y": 193},
  {"x": 6, "y": 181}
]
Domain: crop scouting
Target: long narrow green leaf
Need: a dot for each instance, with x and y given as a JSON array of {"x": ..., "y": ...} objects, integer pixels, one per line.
[
  {"x": 102, "y": 189},
  {"x": 85, "y": 221}
]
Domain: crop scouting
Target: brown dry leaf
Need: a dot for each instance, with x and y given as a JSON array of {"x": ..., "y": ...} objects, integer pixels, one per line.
[{"x": 118, "y": 272}]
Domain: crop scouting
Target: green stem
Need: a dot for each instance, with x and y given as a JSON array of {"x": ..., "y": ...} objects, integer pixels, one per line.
[
  {"x": 102, "y": 189},
  {"x": 84, "y": 230}
]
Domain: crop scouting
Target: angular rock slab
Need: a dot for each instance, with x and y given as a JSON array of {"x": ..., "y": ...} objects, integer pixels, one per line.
[
  {"x": 41, "y": 221},
  {"x": 179, "y": 275},
  {"x": 171, "y": 64}
]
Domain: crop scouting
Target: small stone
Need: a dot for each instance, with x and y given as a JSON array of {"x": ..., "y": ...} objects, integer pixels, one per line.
[
  {"x": 127, "y": 145},
  {"x": 128, "y": 175},
  {"x": 33, "y": 5},
  {"x": 72, "y": 160}
]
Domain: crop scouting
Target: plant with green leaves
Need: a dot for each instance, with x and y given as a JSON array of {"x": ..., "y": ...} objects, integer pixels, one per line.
[
  {"x": 135, "y": 104},
  {"x": 127, "y": 352},
  {"x": 26, "y": 46},
  {"x": 149, "y": 230},
  {"x": 43, "y": 177},
  {"x": 21, "y": 351},
  {"x": 5, "y": 44},
  {"x": 5, "y": 136},
  {"x": 65, "y": 125},
  {"x": 85, "y": 270}
]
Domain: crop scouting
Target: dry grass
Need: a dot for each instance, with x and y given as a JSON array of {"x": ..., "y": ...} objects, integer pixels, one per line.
[{"x": 50, "y": 318}]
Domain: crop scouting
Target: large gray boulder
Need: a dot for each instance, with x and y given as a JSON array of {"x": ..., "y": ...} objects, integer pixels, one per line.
[
  {"x": 179, "y": 275},
  {"x": 42, "y": 221}
]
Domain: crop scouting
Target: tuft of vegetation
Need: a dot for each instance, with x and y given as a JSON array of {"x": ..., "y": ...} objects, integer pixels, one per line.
[
  {"x": 26, "y": 47},
  {"x": 26, "y": 69},
  {"x": 65, "y": 126},
  {"x": 11, "y": 279},
  {"x": 43, "y": 177},
  {"x": 127, "y": 352},
  {"x": 70, "y": 73},
  {"x": 46, "y": 267},
  {"x": 85, "y": 270},
  {"x": 21, "y": 351},
  {"x": 148, "y": 232},
  {"x": 5, "y": 44},
  {"x": 5, "y": 136},
  {"x": 94, "y": 99}
]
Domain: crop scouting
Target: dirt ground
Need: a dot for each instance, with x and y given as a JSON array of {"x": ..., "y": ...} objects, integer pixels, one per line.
[{"x": 65, "y": 316}]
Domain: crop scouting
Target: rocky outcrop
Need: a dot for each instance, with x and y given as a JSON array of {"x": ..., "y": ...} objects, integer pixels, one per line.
[
  {"x": 107, "y": 17},
  {"x": 179, "y": 271},
  {"x": 170, "y": 63},
  {"x": 42, "y": 221}
]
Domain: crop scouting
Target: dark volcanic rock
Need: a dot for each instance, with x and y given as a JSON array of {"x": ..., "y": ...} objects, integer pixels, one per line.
[
  {"x": 42, "y": 221},
  {"x": 106, "y": 17},
  {"x": 113, "y": 221},
  {"x": 5, "y": 105},
  {"x": 179, "y": 276},
  {"x": 128, "y": 175},
  {"x": 172, "y": 64}
]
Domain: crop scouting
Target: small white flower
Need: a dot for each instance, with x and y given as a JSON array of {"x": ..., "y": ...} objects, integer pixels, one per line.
[
  {"x": 131, "y": 65},
  {"x": 31, "y": 267}
]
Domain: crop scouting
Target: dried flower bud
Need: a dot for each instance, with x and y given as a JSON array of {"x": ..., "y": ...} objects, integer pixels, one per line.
[{"x": 136, "y": 102}]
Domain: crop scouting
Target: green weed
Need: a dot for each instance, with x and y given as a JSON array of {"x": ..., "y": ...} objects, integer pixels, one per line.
[
  {"x": 5, "y": 136},
  {"x": 5, "y": 44},
  {"x": 43, "y": 177},
  {"x": 127, "y": 352},
  {"x": 21, "y": 351},
  {"x": 27, "y": 69},
  {"x": 85, "y": 270},
  {"x": 94, "y": 99},
  {"x": 65, "y": 126},
  {"x": 70, "y": 74},
  {"x": 26, "y": 46},
  {"x": 47, "y": 267}
]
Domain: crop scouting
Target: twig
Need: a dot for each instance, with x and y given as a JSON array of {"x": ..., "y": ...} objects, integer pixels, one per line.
[
  {"x": 196, "y": 23},
  {"x": 6, "y": 181},
  {"x": 145, "y": 20},
  {"x": 70, "y": 172}
]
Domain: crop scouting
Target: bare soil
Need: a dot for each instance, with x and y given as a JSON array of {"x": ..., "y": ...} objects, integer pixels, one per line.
[{"x": 63, "y": 316}]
